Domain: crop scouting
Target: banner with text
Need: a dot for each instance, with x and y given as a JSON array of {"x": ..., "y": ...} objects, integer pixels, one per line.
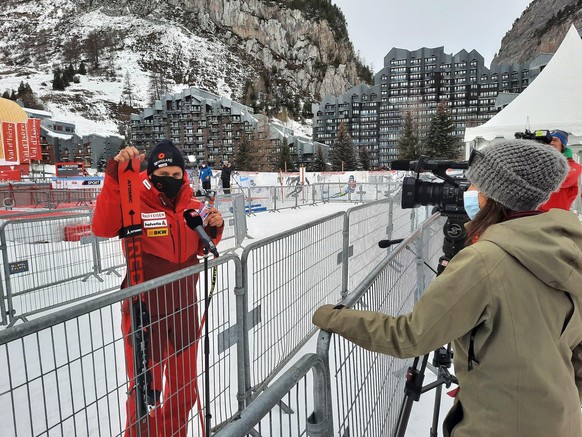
[
  {"x": 34, "y": 138},
  {"x": 9, "y": 153},
  {"x": 20, "y": 142}
]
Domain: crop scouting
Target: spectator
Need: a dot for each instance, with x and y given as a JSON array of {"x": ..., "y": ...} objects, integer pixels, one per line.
[
  {"x": 205, "y": 175},
  {"x": 173, "y": 313},
  {"x": 565, "y": 196},
  {"x": 225, "y": 176},
  {"x": 510, "y": 302}
]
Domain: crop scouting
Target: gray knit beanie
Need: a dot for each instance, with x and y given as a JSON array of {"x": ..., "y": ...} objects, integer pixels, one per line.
[{"x": 519, "y": 174}]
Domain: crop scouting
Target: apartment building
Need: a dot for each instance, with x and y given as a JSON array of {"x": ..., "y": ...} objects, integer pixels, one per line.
[
  {"x": 210, "y": 127},
  {"x": 417, "y": 81}
]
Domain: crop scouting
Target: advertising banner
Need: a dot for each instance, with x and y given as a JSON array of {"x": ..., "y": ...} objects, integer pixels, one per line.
[
  {"x": 68, "y": 169},
  {"x": 9, "y": 143},
  {"x": 33, "y": 127},
  {"x": 23, "y": 147},
  {"x": 10, "y": 175}
]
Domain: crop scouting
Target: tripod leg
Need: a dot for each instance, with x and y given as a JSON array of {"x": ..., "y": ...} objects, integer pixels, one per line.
[
  {"x": 403, "y": 416},
  {"x": 436, "y": 411}
]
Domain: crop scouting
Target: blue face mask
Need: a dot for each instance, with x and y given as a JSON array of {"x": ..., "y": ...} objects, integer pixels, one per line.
[{"x": 471, "y": 203}]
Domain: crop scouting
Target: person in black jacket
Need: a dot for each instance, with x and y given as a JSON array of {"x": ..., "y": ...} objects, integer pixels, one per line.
[{"x": 225, "y": 176}]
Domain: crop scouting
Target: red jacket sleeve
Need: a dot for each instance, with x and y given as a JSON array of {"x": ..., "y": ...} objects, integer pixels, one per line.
[
  {"x": 573, "y": 174},
  {"x": 107, "y": 215}
]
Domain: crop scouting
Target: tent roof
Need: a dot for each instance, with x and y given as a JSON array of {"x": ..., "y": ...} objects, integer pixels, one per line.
[
  {"x": 552, "y": 101},
  {"x": 11, "y": 111}
]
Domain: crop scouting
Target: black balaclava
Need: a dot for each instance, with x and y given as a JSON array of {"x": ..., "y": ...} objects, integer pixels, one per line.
[{"x": 165, "y": 154}]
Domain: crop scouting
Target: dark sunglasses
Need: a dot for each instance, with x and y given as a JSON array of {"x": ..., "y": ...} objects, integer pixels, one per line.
[{"x": 474, "y": 154}]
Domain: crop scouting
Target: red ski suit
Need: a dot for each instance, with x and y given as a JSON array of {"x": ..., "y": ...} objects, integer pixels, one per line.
[
  {"x": 565, "y": 196},
  {"x": 168, "y": 245}
]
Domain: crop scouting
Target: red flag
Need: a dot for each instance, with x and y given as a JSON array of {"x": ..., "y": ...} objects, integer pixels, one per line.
[
  {"x": 10, "y": 142},
  {"x": 23, "y": 147},
  {"x": 34, "y": 138}
]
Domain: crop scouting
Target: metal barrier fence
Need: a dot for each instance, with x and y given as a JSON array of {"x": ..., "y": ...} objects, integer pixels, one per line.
[
  {"x": 43, "y": 195},
  {"x": 68, "y": 369},
  {"x": 367, "y": 225},
  {"x": 269, "y": 198},
  {"x": 368, "y": 390},
  {"x": 50, "y": 258},
  {"x": 65, "y": 374},
  {"x": 285, "y": 277},
  {"x": 43, "y": 267}
]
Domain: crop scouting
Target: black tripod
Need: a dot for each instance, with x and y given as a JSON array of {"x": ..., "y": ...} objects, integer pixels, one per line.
[{"x": 454, "y": 240}]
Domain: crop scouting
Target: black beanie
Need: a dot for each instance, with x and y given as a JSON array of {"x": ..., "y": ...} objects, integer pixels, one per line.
[{"x": 165, "y": 154}]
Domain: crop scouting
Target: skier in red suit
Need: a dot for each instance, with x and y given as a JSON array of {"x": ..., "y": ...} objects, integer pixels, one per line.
[{"x": 168, "y": 245}]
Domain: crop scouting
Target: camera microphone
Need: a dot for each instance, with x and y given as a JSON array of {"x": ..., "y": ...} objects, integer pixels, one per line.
[
  {"x": 383, "y": 244},
  {"x": 194, "y": 222},
  {"x": 400, "y": 164}
]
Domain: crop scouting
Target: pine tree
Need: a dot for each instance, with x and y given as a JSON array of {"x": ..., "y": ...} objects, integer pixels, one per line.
[
  {"x": 284, "y": 159},
  {"x": 58, "y": 84},
  {"x": 343, "y": 153},
  {"x": 6, "y": 95},
  {"x": 244, "y": 160},
  {"x": 82, "y": 68},
  {"x": 408, "y": 141},
  {"x": 440, "y": 143},
  {"x": 21, "y": 88},
  {"x": 319, "y": 163},
  {"x": 68, "y": 74},
  {"x": 364, "y": 158}
]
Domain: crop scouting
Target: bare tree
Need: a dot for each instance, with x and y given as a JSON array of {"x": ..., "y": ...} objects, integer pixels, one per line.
[
  {"x": 71, "y": 50},
  {"x": 93, "y": 48},
  {"x": 154, "y": 88},
  {"x": 127, "y": 92}
]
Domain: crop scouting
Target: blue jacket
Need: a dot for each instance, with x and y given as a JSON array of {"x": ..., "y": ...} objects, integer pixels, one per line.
[{"x": 205, "y": 173}]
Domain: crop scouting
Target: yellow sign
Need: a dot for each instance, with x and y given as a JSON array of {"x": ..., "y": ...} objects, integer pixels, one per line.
[{"x": 161, "y": 232}]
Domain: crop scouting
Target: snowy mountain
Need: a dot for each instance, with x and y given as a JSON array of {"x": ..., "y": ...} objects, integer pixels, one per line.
[
  {"x": 274, "y": 56},
  {"x": 540, "y": 29}
]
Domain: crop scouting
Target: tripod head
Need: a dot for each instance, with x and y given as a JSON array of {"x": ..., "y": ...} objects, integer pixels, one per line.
[{"x": 454, "y": 239}]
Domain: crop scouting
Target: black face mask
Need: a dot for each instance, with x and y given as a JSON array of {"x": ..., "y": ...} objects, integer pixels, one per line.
[{"x": 167, "y": 184}]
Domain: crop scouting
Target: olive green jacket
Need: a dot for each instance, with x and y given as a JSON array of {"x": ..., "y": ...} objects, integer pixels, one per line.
[{"x": 521, "y": 283}]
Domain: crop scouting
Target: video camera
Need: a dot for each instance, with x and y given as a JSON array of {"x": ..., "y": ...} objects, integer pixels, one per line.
[
  {"x": 447, "y": 196},
  {"x": 543, "y": 136}
]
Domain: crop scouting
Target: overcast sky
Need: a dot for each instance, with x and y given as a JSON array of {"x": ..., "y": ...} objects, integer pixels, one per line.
[{"x": 375, "y": 26}]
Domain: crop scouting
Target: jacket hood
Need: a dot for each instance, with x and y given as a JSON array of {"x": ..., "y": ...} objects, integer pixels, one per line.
[{"x": 549, "y": 245}]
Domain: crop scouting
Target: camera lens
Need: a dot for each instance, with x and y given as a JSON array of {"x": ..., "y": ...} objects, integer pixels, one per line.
[{"x": 447, "y": 196}]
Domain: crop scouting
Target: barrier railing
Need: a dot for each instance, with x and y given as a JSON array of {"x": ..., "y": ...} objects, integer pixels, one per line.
[
  {"x": 50, "y": 258},
  {"x": 68, "y": 367},
  {"x": 364, "y": 389},
  {"x": 64, "y": 373}
]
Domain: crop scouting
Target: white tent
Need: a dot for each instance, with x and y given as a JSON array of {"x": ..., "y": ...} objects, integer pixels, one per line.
[{"x": 552, "y": 101}]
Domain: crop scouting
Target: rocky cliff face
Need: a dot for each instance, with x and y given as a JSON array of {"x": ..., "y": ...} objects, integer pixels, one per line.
[
  {"x": 301, "y": 49},
  {"x": 272, "y": 55},
  {"x": 540, "y": 29}
]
